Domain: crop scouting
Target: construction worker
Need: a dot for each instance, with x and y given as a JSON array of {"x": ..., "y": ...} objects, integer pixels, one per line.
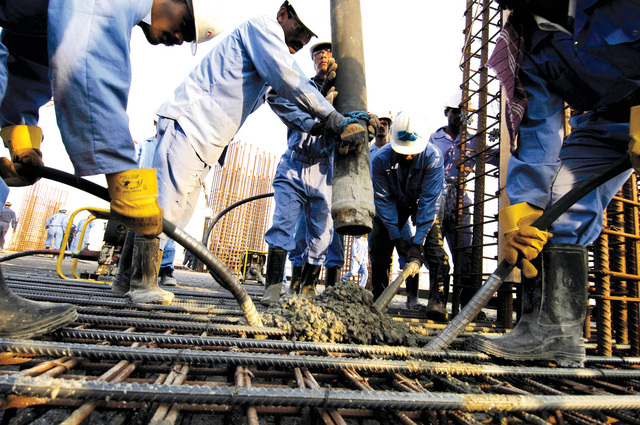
[
  {"x": 585, "y": 53},
  {"x": 77, "y": 51},
  {"x": 438, "y": 258},
  {"x": 448, "y": 139},
  {"x": 359, "y": 260},
  {"x": 407, "y": 178},
  {"x": 87, "y": 232},
  {"x": 302, "y": 192},
  {"x": 7, "y": 219},
  {"x": 229, "y": 84},
  {"x": 55, "y": 225}
]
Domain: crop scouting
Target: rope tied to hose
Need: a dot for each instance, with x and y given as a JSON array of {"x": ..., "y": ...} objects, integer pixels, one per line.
[{"x": 353, "y": 117}]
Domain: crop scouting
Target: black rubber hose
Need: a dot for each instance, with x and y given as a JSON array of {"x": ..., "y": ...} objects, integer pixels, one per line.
[
  {"x": 214, "y": 220},
  {"x": 81, "y": 255},
  {"x": 486, "y": 291},
  {"x": 216, "y": 267}
]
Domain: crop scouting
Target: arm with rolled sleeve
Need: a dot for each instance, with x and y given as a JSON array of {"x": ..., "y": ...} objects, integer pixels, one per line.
[
  {"x": 386, "y": 204},
  {"x": 89, "y": 43},
  {"x": 432, "y": 184}
]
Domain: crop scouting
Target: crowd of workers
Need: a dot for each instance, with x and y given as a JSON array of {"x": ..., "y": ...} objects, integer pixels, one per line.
[{"x": 582, "y": 52}]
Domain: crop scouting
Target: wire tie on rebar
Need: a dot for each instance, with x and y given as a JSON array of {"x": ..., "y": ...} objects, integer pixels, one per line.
[
  {"x": 176, "y": 359},
  {"x": 326, "y": 397}
]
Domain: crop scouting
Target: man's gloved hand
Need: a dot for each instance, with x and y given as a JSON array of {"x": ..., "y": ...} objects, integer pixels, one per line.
[
  {"x": 134, "y": 199},
  {"x": 351, "y": 138},
  {"x": 634, "y": 142},
  {"x": 409, "y": 251},
  {"x": 23, "y": 142},
  {"x": 331, "y": 95},
  {"x": 522, "y": 239},
  {"x": 317, "y": 129},
  {"x": 327, "y": 84},
  {"x": 374, "y": 125}
]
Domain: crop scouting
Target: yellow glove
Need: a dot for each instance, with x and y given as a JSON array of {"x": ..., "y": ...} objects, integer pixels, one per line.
[
  {"x": 23, "y": 142},
  {"x": 134, "y": 199},
  {"x": 634, "y": 143},
  {"x": 520, "y": 237}
]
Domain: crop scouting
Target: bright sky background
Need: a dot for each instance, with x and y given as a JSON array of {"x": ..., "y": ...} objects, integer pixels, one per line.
[{"x": 412, "y": 53}]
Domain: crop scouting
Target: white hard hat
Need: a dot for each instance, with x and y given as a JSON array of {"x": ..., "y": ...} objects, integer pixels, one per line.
[
  {"x": 306, "y": 11},
  {"x": 454, "y": 100},
  {"x": 207, "y": 19},
  {"x": 409, "y": 133},
  {"x": 319, "y": 45}
]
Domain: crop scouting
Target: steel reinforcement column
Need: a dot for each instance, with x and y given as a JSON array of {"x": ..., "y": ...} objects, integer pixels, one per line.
[{"x": 352, "y": 200}]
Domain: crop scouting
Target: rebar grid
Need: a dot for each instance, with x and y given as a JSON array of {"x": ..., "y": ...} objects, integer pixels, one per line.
[{"x": 139, "y": 374}]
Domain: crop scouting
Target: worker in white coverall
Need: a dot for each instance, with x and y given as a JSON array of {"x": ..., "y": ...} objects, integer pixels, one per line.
[
  {"x": 77, "y": 51},
  {"x": 231, "y": 82},
  {"x": 359, "y": 260},
  {"x": 55, "y": 225}
]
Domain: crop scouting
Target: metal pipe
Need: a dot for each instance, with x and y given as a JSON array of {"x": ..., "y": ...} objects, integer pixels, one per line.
[
  {"x": 410, "y": 269},
  {"x": 217, "y": 269},
  {"x": 352, "y": 190},
  {"x": 322, "y": 398}
]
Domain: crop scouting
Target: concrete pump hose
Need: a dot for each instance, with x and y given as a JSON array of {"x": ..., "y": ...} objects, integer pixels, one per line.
[{"x": 216, "y": 267}]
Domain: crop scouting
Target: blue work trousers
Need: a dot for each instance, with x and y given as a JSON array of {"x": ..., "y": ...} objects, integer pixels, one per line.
[{"x": 302, "y": 189}]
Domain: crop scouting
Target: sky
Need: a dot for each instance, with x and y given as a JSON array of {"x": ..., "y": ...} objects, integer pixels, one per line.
[{"x": 412, "y": 56}]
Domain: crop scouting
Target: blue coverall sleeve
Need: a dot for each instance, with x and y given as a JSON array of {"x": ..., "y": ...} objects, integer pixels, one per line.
[
  {"x": 89, "y": 47},
  {"x": 289, "y": 113},
  {"x": 273, "y": 61},
  {"x": 386, "y": 209},
  {"x": 429, "y": 203}
]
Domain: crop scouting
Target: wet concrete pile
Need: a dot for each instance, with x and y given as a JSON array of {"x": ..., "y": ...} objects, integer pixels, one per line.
[{"x": 343, "y": 314}]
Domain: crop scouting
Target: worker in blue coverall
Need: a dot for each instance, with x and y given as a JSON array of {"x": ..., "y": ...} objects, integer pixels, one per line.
[
  {"x": 302, "y": 192},
  {"x": 438, "y": 260},
  {"x": 408, "y": 179},
  {"x": 85, "y": 240},
  {"x": 229, "y": 84},
  {"x": 359, "y": 260},
  {"x": 448, "y": 139},
  {"x": 77, "y": 51},
  {"x": 55, "y": 225},
  {"x": 7, "y": 220},
  {"x": 585, "y": 53}
]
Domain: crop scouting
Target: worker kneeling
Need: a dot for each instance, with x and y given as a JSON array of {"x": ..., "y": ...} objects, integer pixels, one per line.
[{"x": 408, "y": 177}]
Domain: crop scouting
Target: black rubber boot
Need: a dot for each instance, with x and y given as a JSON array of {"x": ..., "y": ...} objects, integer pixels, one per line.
[
  {"x": 554, "y": 306},
  {"x": 22, "y": 318},
  {"x": 309, "y": 280},
  {"x": 276, "y": 259},
  {"x": 438, "y": 294},
  {"x": 122, "y": 280},
  {"x": 331, "y": 276},
  {"x": 294, "y": 286},
  {"x": 411, "y": 290},
  {"x": 144, "y": 288}
]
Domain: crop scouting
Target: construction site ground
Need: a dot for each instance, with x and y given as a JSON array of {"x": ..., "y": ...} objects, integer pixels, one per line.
[{"x": 196, "y": 361}]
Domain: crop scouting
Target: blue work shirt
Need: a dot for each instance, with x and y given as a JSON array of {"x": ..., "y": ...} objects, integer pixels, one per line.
[
  {"x": 90, "y": 73},
  {"x": 58, "y": 220},
  {"x": 232, "y": 81},
  {"x": 8, "y": 216},
  {"x": 299, "y": 123},
  {"x": 419, "y": 191},
  {"x": 146, "y": 152}
]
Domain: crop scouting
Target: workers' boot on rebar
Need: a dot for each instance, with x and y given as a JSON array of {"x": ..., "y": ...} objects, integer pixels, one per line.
[
  {"x": 331, "y": 276},
  {"x": 276, "y": 259},
  {"x": 122, "y": 280},
  {"x": 144, "y": 288},
  {"x": 166, "y": 277},
  {"x": 438, "y": 292},
  {"x": 554, "y": 306},
  {"x": 411, "y": 284},
  {"x": 294, "y": 286},
  {"x": 309, "y": 280},
  {"x": 22, "y": 318}
]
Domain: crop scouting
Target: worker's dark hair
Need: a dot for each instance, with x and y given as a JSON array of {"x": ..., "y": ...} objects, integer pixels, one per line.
[
  {"x": 289, "y": 8},
  {"x": 188, "y": 27}
]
